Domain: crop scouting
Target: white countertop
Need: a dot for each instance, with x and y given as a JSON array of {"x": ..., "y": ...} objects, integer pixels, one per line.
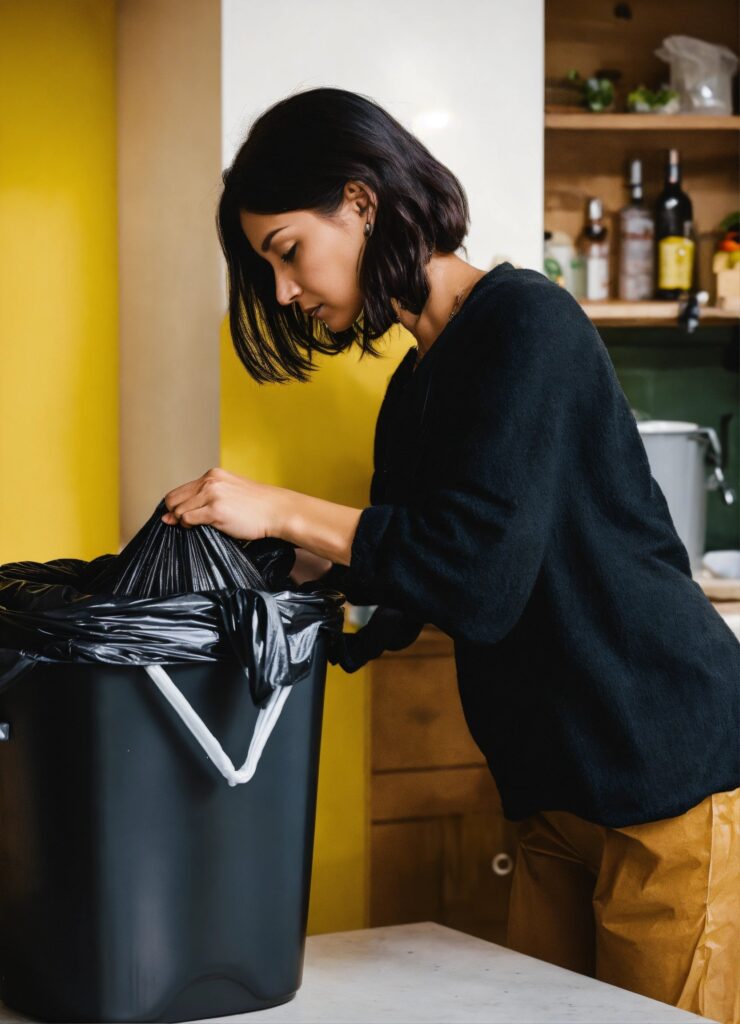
[
  {"x": 431, "y": 974},
  {"x": 427, "y": 973}
]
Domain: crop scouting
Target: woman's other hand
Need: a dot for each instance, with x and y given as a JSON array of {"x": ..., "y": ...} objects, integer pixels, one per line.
[
  {"x": 308, "y": 566},
  {"x": 242, "y": 508}
]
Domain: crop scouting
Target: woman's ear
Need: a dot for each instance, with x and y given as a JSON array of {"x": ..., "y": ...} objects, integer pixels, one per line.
[{"x": 360, "y": 196}]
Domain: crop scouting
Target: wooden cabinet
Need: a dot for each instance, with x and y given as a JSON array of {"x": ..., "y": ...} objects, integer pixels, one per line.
[{"x": 440, "y": 849}]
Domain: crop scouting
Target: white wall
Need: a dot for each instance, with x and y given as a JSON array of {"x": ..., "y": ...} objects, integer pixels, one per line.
[{"x": 466, "y": 77}]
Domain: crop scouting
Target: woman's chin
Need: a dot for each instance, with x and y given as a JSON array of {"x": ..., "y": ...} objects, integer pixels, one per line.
[
  {"x": 338, "y": 322},
  {"x": 335, "y": 322}
]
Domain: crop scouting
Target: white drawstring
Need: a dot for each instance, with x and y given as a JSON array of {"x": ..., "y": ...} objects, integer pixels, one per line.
[{"x": 266, "y": 722}]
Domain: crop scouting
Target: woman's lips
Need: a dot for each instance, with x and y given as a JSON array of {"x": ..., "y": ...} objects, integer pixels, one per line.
[{"x": 315, "y": 312}]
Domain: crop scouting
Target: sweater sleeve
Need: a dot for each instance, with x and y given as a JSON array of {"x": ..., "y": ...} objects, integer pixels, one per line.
[
  {"x": 340, "y": 577},
  {"x": 465, "y": 554}
]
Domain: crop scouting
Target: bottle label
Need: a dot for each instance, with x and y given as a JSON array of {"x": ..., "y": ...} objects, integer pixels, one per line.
[
  {"x": 636, "y": 269},
  {"x": 597, "y": 277},
  {"x": 675, "y": 262}
]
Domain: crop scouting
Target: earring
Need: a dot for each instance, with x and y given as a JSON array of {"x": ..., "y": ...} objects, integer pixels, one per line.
[{"x": 368, "y": 229}]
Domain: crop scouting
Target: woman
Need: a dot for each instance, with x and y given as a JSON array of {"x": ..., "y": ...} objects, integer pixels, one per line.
[{"x": 512, "y": 506}]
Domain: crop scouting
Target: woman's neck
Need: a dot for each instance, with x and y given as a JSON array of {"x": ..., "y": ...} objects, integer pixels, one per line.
[{"x": 449, "y": 277}]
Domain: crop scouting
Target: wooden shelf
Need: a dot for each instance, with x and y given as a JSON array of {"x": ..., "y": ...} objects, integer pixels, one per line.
[
  {"x": 641, "y": 122},
  {"x": 618, "y": 313},
  {"x": 588, "y": 154}
]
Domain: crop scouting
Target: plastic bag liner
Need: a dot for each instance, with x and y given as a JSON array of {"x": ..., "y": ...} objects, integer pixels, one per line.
[{"x": 173, "y": 595}]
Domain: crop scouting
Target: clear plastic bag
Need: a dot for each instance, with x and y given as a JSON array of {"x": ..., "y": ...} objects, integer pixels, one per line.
[{"x": 701, "y": 74}]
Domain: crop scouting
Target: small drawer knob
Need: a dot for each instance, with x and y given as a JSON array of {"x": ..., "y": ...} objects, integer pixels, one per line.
[{"x": 502, "y": 864}]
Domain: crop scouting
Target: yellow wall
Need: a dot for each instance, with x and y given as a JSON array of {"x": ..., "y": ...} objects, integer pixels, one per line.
[
  {"x": 58, "y": 265},
  {"x": 317, "y": 438},
  {"x": 59, "y": 366}
]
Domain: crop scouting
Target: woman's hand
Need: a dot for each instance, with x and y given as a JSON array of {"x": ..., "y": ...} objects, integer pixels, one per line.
[
  {"x": 242, "y": 508},
  {"x": 248, "y": 510},
  {"x": 308, "y": 566}
]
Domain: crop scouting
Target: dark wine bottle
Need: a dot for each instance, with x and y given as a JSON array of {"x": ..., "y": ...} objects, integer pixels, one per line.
[{"x": 675, "y": 248}]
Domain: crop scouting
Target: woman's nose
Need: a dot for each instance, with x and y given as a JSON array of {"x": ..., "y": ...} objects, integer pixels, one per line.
[{"x": 286, "y": 291}]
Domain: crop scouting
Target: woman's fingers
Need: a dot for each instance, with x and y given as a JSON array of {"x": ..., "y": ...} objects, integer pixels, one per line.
[
  {"x": 201, "y": 505},
  {"x": 180, "y": 494},
  {"x": 240, "y": 508},
  {"x": 197, "y": 516},
  {"x": 200, "y": 502}
]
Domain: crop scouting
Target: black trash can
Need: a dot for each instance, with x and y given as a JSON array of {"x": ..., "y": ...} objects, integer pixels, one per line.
[{"x": 136, "y": 882}]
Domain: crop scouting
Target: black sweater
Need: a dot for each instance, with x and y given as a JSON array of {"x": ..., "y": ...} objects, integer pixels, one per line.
[{"x": 512, "y": 506}]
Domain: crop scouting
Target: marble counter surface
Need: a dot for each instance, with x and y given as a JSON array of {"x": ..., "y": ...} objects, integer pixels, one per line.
[{"x": 428, "y": 973}]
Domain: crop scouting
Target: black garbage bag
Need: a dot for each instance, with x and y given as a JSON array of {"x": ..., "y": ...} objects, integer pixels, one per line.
[
  {"x": 163, "y": 560},
  {"x": 159, "y": 561},
  {"x": 173, "y": 594}
]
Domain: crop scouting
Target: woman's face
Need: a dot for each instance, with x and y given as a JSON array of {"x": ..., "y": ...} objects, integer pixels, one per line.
[{"x": 315, "y": 258}]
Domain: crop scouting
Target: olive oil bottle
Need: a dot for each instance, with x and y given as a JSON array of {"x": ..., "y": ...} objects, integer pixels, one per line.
[{"x": 675, "y": 246}]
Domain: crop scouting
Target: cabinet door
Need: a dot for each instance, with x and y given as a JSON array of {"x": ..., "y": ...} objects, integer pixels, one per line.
[
  {"x": 442, "y": 869},
  {"x": 417, "y": 721},
  {"x": 441, "y": 849}
]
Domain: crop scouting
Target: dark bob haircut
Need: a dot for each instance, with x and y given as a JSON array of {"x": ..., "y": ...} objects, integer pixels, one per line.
[{"x": 298, "y": 155}]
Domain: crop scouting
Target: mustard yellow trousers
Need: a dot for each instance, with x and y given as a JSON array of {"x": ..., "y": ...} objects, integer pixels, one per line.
[{"x": 653, "y": 908}]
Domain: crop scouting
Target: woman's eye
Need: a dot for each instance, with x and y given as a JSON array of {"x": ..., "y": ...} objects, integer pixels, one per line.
[{"x": 287, "y": 257}]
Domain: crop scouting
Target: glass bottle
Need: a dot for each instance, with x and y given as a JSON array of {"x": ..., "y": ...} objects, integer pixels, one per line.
[
  {"x": 636, "y": 242},
  {"x": 675, "y": 246},
  {"x": 594, "y": 247}
]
